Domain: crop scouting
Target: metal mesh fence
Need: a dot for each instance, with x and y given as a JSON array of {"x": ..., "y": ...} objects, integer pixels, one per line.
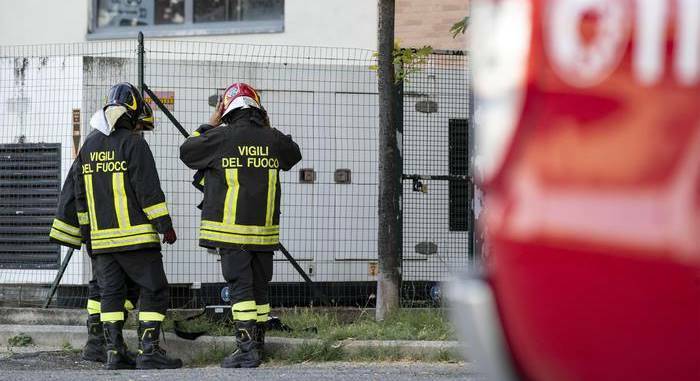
[
  {"x": 326, "y": 98},
  {"x": 436, "y": 189}
]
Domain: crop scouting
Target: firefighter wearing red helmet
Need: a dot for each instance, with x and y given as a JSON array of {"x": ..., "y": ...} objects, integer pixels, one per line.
[
  {"x": 241, "y": 155},
  {"x": 121, "y": 209}
]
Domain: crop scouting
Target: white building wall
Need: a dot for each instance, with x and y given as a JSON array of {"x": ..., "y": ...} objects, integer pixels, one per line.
[
  {"x": 337, "y": 23},
  {"x": 24, "y": 113}
]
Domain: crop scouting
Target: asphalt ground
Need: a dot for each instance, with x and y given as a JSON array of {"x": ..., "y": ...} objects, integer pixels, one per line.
[{"x": 67, "y": 366}]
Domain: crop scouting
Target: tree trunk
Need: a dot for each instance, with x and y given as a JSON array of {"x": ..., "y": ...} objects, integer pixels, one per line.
[{"x": 389, "y": 232}]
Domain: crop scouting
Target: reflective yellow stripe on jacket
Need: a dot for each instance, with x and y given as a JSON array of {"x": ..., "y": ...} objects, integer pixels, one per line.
[
  {"x": 231, "y": 196},
  {"x": 90, "y": 196},
  {"x": 125, "y": 234},
  {"x": 120, "y": 201},
  {"x": 157, "y": 210},
  {"x": 219, "y": 236},
  {"x": 65, "y": 238},
  {"x": 228, "y": 231},
  {"x": 83, "y": 218},
  {"x": 107, "y": 243},
  {"x": 271, "y": 192},
  {"x": 132, "y": 235}
]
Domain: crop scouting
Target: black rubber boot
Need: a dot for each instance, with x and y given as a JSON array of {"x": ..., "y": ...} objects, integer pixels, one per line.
[
  {"x": 151, "y": 355},
  {"x": 117, "y": 354},
  {"x": 259, "y": 338},
  {"x": 94, "y": 349},
  {"x": 247, "y": 354}
]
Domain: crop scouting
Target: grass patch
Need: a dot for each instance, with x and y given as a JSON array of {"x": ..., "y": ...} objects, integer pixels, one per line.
[
  {"x": 407, "y": 324},
  {"x": 308, "y": 352},
  {"x": 67, "y": 347},
  {"x": 332, "y": 327},
  {"x": 314, "y": 352},
  {"x": 429, "y": 324},
  {"x": 210, "y": 357},
  {"x": 20, "y": 340}
]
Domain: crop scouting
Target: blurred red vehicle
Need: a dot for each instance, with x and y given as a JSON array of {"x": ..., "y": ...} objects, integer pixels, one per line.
[{"x": 588, "y": 117}]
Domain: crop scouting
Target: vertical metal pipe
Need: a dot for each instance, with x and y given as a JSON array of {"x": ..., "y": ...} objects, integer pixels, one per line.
[{"x": 140, "y": 53}]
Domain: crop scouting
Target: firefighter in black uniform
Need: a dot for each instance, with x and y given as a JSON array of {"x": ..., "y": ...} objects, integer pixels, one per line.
[
  {"x": 121, "y": 208},
  {"x": 240, "y": 214},
  {"x": 65, "y": 231}
]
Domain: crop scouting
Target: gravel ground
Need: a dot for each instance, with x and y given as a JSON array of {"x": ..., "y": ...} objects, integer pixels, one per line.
[{"x": 66, "y": 365}]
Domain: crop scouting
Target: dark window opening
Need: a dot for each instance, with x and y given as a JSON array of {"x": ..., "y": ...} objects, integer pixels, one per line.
[{"x": 459, "y": 165}]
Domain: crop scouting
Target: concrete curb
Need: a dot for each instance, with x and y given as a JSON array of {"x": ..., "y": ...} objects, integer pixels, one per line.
[
  {"x": 56, "y": 316},
  {"x": 62, "y": 336},
  {"x": 76, "y": 316}
]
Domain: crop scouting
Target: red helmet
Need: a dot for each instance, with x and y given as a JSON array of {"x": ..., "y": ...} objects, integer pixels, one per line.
[{"x": 239, "y": 95}]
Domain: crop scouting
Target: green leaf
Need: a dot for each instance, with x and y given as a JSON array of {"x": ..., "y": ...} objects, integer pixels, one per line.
[{"x": 459, "y": 27}]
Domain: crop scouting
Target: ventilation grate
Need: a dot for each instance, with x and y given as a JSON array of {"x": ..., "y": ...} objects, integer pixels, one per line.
[{"x": 30, "y": 182}]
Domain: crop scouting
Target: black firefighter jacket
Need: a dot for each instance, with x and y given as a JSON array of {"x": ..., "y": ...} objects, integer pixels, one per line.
[
  {"x": 241, "y": 163},
  {"x": 65, "y": 229},
  {"x": 119, "y": 201}
]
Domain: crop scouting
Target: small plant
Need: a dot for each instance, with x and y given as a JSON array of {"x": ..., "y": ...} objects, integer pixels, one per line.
[
  {"x": 407, "y": 61},
  {"x": 326, "y": 350},
  {"x": 20, "y": 340},
  {"x": 213, "y": 356}
]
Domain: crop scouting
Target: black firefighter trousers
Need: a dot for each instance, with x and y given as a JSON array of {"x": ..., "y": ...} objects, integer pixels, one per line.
[
  {"x": 145, "y": 268},
  {"x": 248, "y": 274},
  {"x": 95, "y": 294}
]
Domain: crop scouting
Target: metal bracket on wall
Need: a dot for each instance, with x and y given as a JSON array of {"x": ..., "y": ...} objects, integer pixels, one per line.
[
  {"x": 342, "y": 176},
  {"x": 307, "y": 176}
]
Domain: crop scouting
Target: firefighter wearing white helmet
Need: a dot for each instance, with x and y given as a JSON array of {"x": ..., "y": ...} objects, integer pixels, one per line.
[{"x": 241, "y": 155}]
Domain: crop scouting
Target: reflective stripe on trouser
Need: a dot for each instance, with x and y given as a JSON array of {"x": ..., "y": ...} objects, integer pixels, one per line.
[
  {"x": 151, "y": 316},
  {"x": 243, "y": 311},
  {"x": 93, "y": 307},
  {"x": 263, "y": 312},
  {"x": 112, "y": 316}
]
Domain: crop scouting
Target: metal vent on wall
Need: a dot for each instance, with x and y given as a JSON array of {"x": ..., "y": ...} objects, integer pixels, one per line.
[
  {"x": 30, "y": 182},
  {"x": 459, "y": 165}
]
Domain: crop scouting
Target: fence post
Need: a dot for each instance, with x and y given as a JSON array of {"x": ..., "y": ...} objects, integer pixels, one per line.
[
  {"x": 475, "y": 195},
  {"x": 389, "y": 277},
  {"x": 140, "y": 53},
  {"x": 399, "y": 178}
]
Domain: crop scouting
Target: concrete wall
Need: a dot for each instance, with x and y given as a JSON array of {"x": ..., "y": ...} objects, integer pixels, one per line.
[{"x": 337, "y": 23}]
